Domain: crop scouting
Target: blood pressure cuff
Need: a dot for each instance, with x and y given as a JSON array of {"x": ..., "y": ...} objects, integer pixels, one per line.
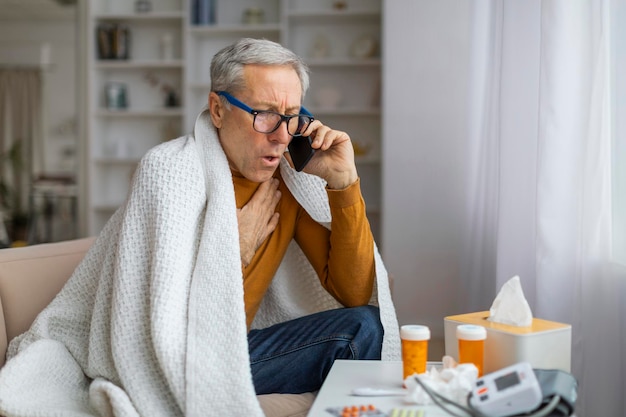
[{"x": 555, "y": 382}]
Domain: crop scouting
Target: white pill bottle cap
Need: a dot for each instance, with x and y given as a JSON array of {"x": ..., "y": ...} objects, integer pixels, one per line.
[
  {"x": 471, "y": 332},
  {"x": 414, "y": 332}
]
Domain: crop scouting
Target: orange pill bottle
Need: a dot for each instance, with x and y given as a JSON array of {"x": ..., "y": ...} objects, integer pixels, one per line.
[
  {"x": 414, "y": 338},
  {"x": 471, "y": 341}
]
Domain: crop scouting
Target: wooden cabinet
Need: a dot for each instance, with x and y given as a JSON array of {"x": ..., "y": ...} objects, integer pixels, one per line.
[{"x": 165, "y": 79}]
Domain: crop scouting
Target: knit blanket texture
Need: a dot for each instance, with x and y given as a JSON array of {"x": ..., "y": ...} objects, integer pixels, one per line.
[{"x": 152, "y": 321}]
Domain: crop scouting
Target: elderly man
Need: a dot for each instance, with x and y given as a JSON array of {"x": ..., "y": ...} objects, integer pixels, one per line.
[{"x": 225, "y": 274}]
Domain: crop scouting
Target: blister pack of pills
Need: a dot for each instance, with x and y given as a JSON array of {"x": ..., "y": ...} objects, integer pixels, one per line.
[
  {"x": 371, "y": 411},
  {"x": 356, "y": 411},
  {"x": 403, "y": 412}
]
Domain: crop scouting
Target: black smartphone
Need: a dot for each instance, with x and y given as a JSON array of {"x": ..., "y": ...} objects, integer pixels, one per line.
[{"x": 300, "y": 151}]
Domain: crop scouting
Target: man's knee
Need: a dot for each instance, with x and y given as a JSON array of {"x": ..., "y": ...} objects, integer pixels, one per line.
[
  {"x": 369, "y": 338},
  {"x": 368, "y": 315}
]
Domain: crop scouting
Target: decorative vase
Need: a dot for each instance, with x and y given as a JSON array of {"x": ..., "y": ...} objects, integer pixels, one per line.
[
  {"x": 253, "y": 16},
  {"x": 171, "y": 100}
]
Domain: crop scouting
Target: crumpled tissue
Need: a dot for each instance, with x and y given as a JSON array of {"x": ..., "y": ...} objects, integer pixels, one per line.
[
  {"x": 453, "y": 381},
  {"x": 510, "y": 305}
]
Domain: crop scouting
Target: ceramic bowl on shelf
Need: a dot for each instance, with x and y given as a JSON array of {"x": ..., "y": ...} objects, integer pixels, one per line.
[
  {"x": 320, "y": 47},
  {"x": 365, "y": 46}
]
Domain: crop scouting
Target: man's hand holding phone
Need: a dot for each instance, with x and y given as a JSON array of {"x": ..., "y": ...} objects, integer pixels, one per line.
[{"x": 331, "y": 155}]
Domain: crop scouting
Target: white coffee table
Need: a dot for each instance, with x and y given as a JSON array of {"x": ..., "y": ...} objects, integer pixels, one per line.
[{"x": 346, "y": 375}]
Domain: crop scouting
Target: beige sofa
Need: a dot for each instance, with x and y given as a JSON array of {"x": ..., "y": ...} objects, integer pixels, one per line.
[{"x": 30, "y": 277}]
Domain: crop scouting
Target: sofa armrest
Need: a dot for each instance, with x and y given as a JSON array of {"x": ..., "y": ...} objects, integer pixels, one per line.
[{"x": 30, "y": 277}]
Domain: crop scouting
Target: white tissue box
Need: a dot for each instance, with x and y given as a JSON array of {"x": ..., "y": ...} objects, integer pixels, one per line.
[{"x": 545, "y": 344}]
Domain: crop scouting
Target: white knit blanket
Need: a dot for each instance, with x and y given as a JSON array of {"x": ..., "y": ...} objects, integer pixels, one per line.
[{"x": 152, "y": 321}]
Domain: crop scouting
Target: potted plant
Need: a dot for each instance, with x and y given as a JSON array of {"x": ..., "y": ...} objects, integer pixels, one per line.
[{"x": 171, "y": 97}]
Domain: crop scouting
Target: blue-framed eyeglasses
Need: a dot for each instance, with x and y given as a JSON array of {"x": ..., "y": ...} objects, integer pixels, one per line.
[{"x": 266, "y": 121}]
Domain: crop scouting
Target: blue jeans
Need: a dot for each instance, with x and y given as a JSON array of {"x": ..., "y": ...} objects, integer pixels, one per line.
[{"x": 295, "y": 356}]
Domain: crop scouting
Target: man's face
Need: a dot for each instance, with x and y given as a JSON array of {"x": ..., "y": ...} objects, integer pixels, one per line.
[{"x": 257, "y": 155}]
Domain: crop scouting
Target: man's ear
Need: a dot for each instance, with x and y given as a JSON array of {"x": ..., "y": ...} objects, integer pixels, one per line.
[{"x": 216, "y": 109}]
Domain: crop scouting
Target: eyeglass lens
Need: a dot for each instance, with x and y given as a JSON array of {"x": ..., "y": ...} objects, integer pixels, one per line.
[{"x": 267, "y": 122}]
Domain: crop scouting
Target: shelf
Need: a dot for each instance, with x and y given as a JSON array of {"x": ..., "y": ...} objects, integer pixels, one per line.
[
  {"x": 131, "y": 64},
  {"x": 106, "y": 207},
  {"x": 334, "y": 15},
  {"x": 140, "y": 17},
  {"x": 177, "y": 112},
  {"x": 111, "y": 160},
  {"x": 199, "y": 86},
  {"x": 343, "y": 62},
  {"x": 203, "y": 30}
]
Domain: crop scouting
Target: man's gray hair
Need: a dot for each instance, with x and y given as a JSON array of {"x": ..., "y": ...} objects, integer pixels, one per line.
[{"x": 227, "y": 65}]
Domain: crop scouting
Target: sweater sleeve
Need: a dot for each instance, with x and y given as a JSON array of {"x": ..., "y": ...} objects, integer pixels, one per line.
[{"x": 344, "y": 256}]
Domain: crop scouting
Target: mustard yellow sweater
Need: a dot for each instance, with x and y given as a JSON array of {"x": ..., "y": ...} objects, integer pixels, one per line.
[{"x": 343, "y": 259}]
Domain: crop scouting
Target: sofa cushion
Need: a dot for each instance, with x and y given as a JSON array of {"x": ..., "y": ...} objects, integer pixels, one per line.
[
  {"x": 30, "y": 277},
  {"x": 287, "y": 405}
]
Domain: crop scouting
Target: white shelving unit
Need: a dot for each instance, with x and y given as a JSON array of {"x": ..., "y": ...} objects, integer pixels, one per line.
[
  {"x": 354, "y": 74},
  {"x": 347, "y": 68},
  {"x": 117, "y": 138}
]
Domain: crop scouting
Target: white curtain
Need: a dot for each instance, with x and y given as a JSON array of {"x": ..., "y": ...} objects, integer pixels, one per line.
[
  {"x": 540, "y": 188},
  {"x": 20, "y": 123}
]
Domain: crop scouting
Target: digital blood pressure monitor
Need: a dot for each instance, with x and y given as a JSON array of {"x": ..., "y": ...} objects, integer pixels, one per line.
[{"x": 507, "y": 392}]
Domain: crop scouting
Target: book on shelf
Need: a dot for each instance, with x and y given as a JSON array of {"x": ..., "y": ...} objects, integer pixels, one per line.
[
  {"x": 113, "y": 41},
  {"x": 203, "y": 12}
]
